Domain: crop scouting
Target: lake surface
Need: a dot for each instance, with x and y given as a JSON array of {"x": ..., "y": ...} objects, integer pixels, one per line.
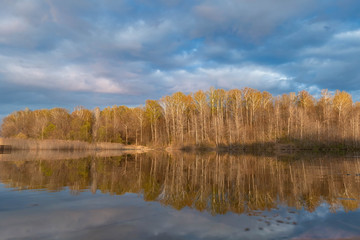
[{"x": 62, "y": 195}]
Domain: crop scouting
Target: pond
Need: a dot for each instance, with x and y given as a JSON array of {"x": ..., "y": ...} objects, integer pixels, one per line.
[{"x": 159, "y": 195}]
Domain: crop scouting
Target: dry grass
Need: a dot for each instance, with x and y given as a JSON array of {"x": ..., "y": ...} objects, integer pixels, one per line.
[
  {"x": 31, "y": 144},
  {"x": 31, "y": 155}
]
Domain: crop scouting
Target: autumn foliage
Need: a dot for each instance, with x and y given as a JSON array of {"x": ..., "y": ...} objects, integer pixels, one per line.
[{"x": 234, "y": 118}]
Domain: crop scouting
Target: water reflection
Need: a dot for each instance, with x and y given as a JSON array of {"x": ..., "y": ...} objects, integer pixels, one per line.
[{"x": 214, "y": 183}]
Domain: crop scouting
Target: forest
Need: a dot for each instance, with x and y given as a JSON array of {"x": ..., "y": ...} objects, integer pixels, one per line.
[{"x": 233, "y": 118}]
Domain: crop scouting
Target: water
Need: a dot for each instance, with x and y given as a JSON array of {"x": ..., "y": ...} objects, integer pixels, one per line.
[{"x": 61, "y": 195}]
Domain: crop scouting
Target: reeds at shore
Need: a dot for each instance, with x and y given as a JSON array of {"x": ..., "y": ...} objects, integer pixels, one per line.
[
  {"x": 32, "y": 144},
  {"x": 30, "y": 155}
]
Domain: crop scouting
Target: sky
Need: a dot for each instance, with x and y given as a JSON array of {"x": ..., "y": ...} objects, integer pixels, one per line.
[{"x": 102, "y": 53}]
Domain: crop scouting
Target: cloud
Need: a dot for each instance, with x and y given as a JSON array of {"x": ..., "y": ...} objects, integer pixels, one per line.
[
  {"x": 69, "y": 78},
  {"x": 333, "y": 64},
  {"x": 248, "y": 19},
  {"x": 12, "y": 25},
  {"x": 226, "y": 77},
  {"x": 349, "y": 36},
  {"x": 134, "y": 48}
]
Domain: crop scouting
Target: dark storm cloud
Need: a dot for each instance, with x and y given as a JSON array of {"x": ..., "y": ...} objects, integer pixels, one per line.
[{"x": 63, "y": 53}]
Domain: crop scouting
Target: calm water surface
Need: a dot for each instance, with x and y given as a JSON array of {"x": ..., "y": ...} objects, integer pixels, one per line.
[{"x": 54, "y": 195}]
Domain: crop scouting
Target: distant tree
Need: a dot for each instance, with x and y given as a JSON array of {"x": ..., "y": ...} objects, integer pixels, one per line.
[
  {"x": 81, "y": 124},
  {"x": 153, "y": 112}
]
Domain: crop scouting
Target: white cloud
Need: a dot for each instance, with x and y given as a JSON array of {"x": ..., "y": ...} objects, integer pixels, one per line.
[
  {"x": 12, "y": 25},
  {"x": 132, "y": 37},
  {"x": 348, "y": 35},
  {"x": 225, "y": 77},
  {"x": 68, "y": 77}
]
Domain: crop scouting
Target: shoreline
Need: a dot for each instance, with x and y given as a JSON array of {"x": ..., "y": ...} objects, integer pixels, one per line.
[
  {"x": 9, "y": 145},
  {"x": 13, "y": 144},
  {"x": 278, "y": 149}
]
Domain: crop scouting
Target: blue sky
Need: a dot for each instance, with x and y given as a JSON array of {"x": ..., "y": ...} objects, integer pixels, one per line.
[{"x": 100, "y": 53}]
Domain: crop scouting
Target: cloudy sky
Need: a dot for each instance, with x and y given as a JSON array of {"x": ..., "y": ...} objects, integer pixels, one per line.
[{"x": 100, "y": 53}]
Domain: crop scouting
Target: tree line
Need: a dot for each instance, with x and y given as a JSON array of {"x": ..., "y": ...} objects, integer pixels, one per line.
[{"x": 233, "y": 118}]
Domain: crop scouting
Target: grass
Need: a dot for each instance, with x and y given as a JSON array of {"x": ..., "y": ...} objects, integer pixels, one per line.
[{"x": 32, "y": 144}]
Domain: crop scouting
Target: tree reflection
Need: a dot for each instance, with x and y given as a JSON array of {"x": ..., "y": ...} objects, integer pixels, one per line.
[{"x": 207, "y": 182}]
